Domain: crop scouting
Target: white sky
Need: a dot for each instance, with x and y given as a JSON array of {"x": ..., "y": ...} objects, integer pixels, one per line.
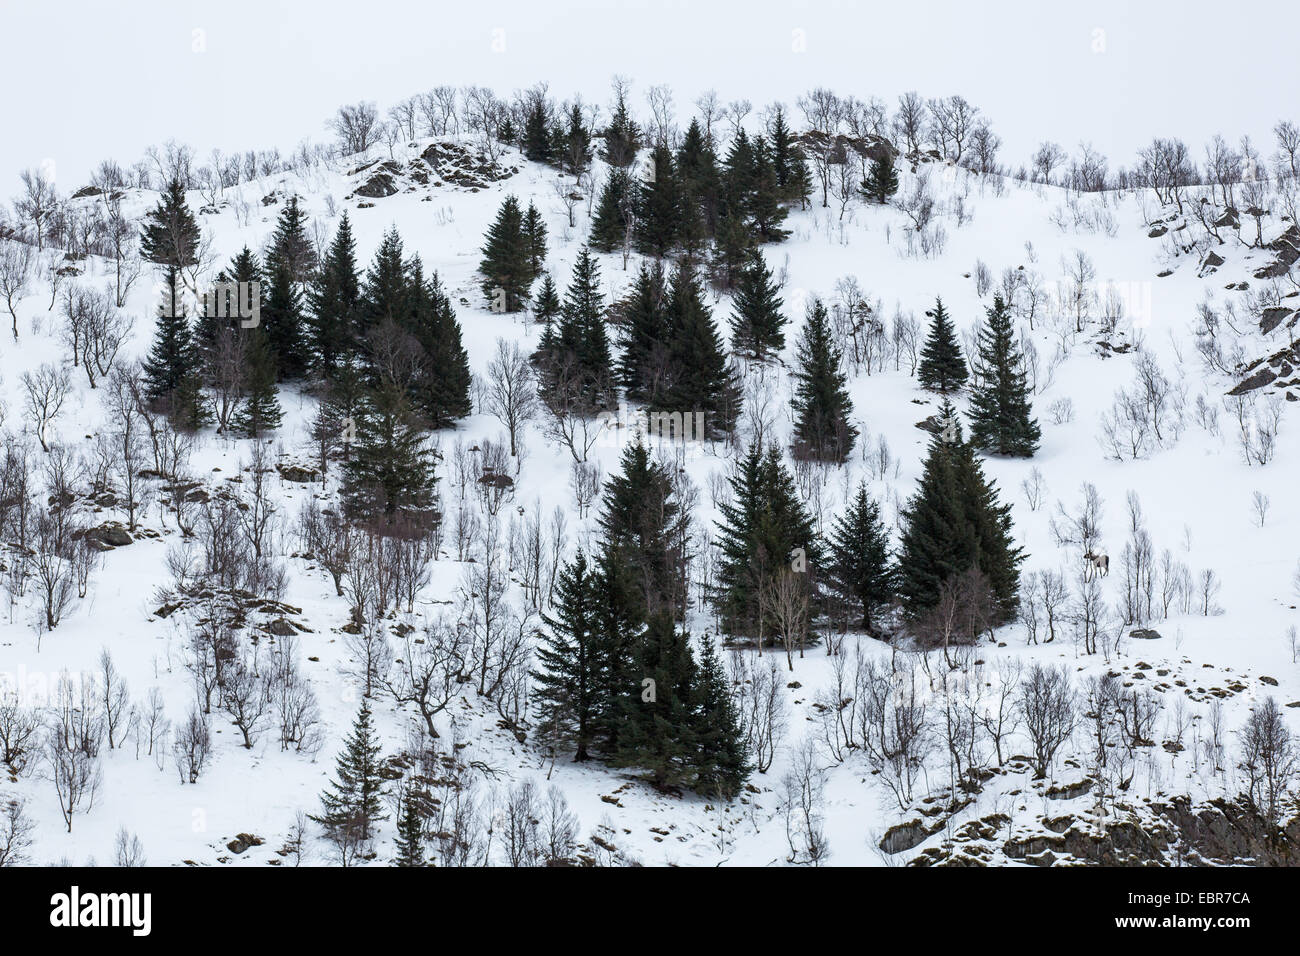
[{"x": 85, "y": 79}]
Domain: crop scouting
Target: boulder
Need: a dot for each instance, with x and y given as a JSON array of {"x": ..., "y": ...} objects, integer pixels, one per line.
[
  {"x": 377, "y": 186},
  {"x": 303, "y": 474},
  {"x": 242, "y": 842}
]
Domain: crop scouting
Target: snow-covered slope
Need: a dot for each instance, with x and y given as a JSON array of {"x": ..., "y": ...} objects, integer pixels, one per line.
[{"x": 1196, "y": 495}]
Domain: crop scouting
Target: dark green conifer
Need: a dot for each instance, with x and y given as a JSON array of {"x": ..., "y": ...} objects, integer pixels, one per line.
[
  {"x": 942, "y": 367},
  {"x": 821, "y": 401}
]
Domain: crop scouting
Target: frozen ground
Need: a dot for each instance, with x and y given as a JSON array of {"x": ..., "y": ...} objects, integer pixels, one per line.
[{"x": 1196, "y": 495}]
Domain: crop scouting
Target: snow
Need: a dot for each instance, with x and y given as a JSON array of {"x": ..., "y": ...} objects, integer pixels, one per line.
[{"x": 1196, "y": 496}]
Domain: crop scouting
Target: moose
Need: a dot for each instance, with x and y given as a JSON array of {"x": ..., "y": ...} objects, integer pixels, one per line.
[{"x": 1100, "y": 561}]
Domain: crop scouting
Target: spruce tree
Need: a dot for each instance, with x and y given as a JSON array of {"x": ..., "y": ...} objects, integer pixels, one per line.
[
  {"x": 821, "y": 400},
  {"x": 534, "y": 229},
  {"x": 546, "y": 310},
  {"x": 1002, "y": 421},
  {"x": 858, "y": 567},
  {"x": 658, "y": 728},
  {"x": 390, "y": 472},
  {"x": 536, "y": 139},
  {"x": 732, "y": 249},
  {"x": 334, "y": 304},
  {"x": 575, "y": 154},
  {"x": 341, "y": 405},
  {"x": 700, "y": 379},
  {"x": 738, "y": 180},
  {"x": 283, "y": 320},
  {"x": 764, "y": 530},
  {"x": 385, "y": 294},
  {"x": 645, "y": 337},
  {"x": 765, "y": 207},
  {"x": 642, "y": 524},
  {"x": 259, "y": 412},
  {"x": 440, "y": 390},
  {"x": 507, "y": 265},
  {"x": 722, "y": 761},
  {"x": 622, "y": 135},
  {"x": 170, "y": 236},
  {"x": 352, "y": 806},
  {"x": 882, "y": 178},
  {"x": 613, "y": 215},
  {"x": 699, "y": 178},
  {"x": 581, "y": 365},
  {"x": 999, "y": 557},
  {"x": 573, "y": 666},
  {"x": 937, "y": 540},
  {"x": 954, "y": 523},
  {"x": 785, "y": 155},
  {"x": 291, "y": 244},
  {"x": 801, "y": 186},
  {"x": 546, "y": 305},
  {"x": 942, "y": 367},
  {"x": 410, "y": 832},
  {"x": 757, "y": 324},
  {"x": 244, "y": 268},
  {"x": 658, "y": 208},
  {"x": 173, "y": 356},
  {"x": 620, "y": 629}
]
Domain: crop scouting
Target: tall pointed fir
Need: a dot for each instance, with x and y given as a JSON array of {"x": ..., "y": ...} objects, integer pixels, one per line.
[
  {"x": 697, "y": 173},
  {"x": 881, "y": 181},
  {"x": 579, "y": 370},
  {"x": 757, "y": 323},
  {"x": 858, "y": 569},
  {"x": 534, "y": 230},
  {"x": 622, "y": 135},
  {"x": 291, "y": 244},
  {"x": 657, "y": 211},
  {"x": 334, "y": 303},
  {"x": 353, "y": 804},
  {"x": 572, "y": 662},
  {"x": 575, "y": 144},
  {"x": 613, "y": 216},
  {"x": 536, "y": 140},
  {"x": 409, "y": 842},
  {"x": 546, "y": 304},
  {"x": 657, "y": 732},
  {"x": 644, "y": 525},
  {"x": 244, "y": 268},
  {"x": 942, "y": 367},
  {"x": 723, "y": 763},
  {"x": 259, "y": 410},
  {"x": 385, "y": 293},
  {"x": 785, "y": 154},
  {"x": 171, "y": 367},
  {"x": 389, "y": 477},
  {"x": 1002, "y": 421},
  {"x": 440, "y": 390},
  {"x": 764, "y": 531},
  {"x": 700, "y": 378},
  {"x": 821, "y": 400},
  {"x": 766, "y": 209},
  {"x": 170, "y": 235},
  {"x": 507, "y": 265},
  {"x": 954, "y": 523},
  {"x": 290, "y": 262},
  {"x": 644, "y": 364},
  {"x": 284, "y": 320},
  {"x": 620, "y": 629}
]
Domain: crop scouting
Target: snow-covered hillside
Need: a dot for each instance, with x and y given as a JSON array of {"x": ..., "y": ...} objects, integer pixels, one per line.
[{"x": 1215, "y": 492}]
